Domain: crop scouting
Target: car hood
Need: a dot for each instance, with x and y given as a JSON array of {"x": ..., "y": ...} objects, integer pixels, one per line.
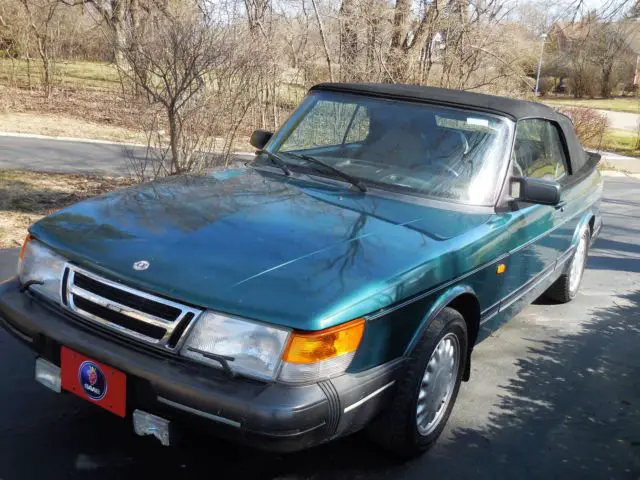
[{"x": 288, "y": 251}]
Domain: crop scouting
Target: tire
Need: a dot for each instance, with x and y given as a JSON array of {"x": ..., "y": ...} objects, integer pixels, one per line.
[
  {"x": 396, "y": 429},
  {"x": 566, "y": 287}
]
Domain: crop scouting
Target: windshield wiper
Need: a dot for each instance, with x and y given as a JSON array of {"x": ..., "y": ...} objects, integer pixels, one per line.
[
  {"x": 276, "y": 160},
  {"x": 352, "y": 180}
]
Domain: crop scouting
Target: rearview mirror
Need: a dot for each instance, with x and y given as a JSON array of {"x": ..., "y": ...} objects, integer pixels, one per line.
[
  {"x": 260, "y": 138},
  {"x": 535, "y": 190}
]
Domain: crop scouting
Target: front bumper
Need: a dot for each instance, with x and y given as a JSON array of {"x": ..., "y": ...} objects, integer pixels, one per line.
[{"x": 268, "y": 416}]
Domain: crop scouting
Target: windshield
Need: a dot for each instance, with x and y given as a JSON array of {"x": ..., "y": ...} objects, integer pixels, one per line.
[{"x": 440, "y": 152}]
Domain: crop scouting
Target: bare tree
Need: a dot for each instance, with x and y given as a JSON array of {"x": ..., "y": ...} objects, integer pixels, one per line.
[
  {"x": 608, "y": 46},
  {"x": 41, "y": 15},
  {"x": 119, "y": 16},
  {"x": 171, "y": 60}
]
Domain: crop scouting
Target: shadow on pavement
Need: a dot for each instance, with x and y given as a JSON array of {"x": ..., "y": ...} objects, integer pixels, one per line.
[
  {"x": 616, "y": 255},
  {"x": 573, "y": 411},
  {"x": 615, "y": 201}
]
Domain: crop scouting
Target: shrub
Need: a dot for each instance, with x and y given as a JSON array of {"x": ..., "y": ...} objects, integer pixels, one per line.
[
  {"x": 589, "y": 124},
  {"x": 546, "y": 85}
]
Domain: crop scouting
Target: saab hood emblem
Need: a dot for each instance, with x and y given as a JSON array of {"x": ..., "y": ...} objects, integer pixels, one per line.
[{"x": 141, "y": 265}]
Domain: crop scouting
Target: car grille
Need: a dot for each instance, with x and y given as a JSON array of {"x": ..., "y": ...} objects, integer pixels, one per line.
[{"x": 127, "y": 311}]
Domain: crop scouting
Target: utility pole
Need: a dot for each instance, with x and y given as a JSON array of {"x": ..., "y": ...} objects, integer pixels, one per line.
[{"x": 544, "y": 38}]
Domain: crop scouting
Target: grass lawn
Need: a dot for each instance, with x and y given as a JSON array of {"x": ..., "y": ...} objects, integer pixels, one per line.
[
  {"x": 25, "y": 197},
  {"x": 621, "y": 141},
  {"x": 621, "y": 104},
  {"x": 69, "y": 74}
]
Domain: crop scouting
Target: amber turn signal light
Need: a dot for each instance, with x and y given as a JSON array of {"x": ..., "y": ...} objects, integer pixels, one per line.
[
  {"x": 23, "y": 249},
  {"x": 501, "y": 269},
  {"x": 311, "y": 347}
]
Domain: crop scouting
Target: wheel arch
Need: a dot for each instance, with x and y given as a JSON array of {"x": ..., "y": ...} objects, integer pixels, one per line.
[
  {"x": 464, "y": 300},
  {"x": 587, "y": 221},
  {"x": 461, "y": 298}
]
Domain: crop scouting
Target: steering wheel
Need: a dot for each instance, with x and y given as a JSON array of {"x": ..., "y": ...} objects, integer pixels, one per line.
[
  {"x": 464, "y": 141},
  {"x": 445, "y": 166}
]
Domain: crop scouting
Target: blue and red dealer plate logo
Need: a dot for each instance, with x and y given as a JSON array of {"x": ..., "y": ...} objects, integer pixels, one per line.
[{"x": 92, "y": 380}]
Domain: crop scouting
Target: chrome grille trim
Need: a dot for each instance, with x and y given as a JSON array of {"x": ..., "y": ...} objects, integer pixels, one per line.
[{"x": 72, "y": 291}]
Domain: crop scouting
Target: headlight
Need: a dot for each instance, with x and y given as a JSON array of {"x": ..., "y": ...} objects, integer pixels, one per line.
[
  {"x": 250, "y": 348},
  {"x": 263, "y": 352},
  {"x": 39, "y": 264}
]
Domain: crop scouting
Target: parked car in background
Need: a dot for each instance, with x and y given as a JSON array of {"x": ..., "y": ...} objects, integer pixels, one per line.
[{"x": 339, "y": 281}]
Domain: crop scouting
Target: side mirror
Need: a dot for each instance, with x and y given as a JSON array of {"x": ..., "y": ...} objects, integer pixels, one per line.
[
  {"x": 260, "y": 138},
  {"x": 535, "y": 190}
]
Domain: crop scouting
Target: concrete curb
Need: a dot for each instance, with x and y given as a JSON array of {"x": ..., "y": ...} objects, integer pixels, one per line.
[
  {"x": 616, "y": 173},
  {"x": 69, "y": 139}
]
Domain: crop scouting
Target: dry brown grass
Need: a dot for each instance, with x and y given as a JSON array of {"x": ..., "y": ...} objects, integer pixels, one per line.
[
  {"x": 25, "y": 197},
  {"x": 81, "y": 113},
  {"x": 61, "y": 126}
]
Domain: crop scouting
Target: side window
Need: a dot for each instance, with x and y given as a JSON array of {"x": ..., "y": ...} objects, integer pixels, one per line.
[
  {"x": 537, "y": 151},
  {"x": 328, "y": 124}
]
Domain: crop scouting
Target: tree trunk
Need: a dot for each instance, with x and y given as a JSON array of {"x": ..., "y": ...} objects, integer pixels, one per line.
[
  {"x": 117, "y": 22},
  {"x": 46, "y": 65},
  {"x": 174, "y": 139},
  {"x": 372, "y": 34},
  {"x": 348, "y": 41},
  {"x": 400, "y": 16},
  {"x": 406, "y": 40},
  {"x": 325, "y": 45},
  {"x": 397, "y": 53},
  {"x": 605, "y": 85}
]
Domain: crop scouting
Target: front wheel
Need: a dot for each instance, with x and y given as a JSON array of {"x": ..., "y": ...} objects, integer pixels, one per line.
[
  {"x": 427, "y": 390},
  {"x": 566, "y": 287}
]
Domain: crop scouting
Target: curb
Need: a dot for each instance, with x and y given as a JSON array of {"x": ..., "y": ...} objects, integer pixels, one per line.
[
  {"x": 619, "y": 174},
  {"x": 69, "y": 139}
]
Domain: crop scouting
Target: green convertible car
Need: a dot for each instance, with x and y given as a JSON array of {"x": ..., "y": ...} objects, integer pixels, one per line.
[{"x": 339, "y": 280}]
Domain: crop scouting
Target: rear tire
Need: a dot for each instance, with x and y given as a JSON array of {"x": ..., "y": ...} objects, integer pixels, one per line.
[
  {"x": 566, "y": 287},
  {"x": 427, "y": 389}
]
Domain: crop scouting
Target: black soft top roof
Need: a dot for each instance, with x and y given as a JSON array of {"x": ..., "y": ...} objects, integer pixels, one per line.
[{"x": 515, "y": 109}]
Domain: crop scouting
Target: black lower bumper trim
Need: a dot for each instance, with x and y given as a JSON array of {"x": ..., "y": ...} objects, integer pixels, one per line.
[{"x": 270, "y": 416}]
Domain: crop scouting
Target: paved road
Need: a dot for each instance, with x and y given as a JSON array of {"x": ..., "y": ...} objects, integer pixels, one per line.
[
  {"x": 622, "y": 162},
  {"x": 63, "y": 156},
  {"x": 622, "y": 120},
  {"x": 51, "y": 155},
  {"x": 554, "y": 394}
]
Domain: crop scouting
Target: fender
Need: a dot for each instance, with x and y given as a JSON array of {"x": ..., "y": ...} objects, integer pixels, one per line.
[
  {"x": 584, "y": 223},
  {"x": 441, "y": 302}
]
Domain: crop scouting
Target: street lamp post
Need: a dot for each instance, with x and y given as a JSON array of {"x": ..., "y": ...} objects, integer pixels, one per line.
[{"x": 544, "y": 38}]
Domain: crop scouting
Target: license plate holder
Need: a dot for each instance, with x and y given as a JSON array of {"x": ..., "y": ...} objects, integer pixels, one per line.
[{"x": 94, "y": 381}]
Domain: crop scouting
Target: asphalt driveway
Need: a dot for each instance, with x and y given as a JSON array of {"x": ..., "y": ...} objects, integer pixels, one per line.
[
  {"x": 86, "y": 157},
  {"x": 46, "y": 155},
  {"x": 64, "y": 156},
  {"x": 554, "y": 394},
  {"x": 622, "y": 120}
]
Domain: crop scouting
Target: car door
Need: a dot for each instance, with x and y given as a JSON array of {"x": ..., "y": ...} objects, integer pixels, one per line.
[{"x": 534, "y": 239}]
